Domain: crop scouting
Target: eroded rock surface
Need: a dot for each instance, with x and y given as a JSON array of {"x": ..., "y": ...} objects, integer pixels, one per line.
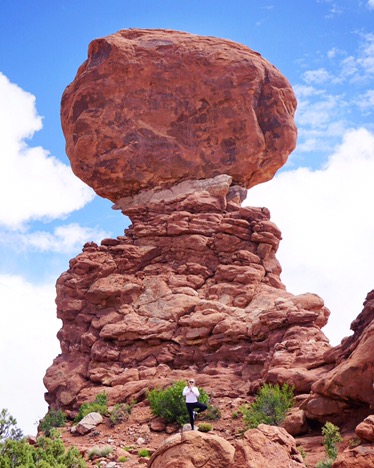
[
  {"x": 265, "y": 446},
  {"x": 150, "y": 108},
  {"x": 350, "y": 383},
  {"x": 194, "y": 286}
]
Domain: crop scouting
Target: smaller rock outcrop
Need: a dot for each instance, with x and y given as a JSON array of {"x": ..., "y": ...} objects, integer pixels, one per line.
[
  {"x": 365, "y": 430},
  {"x": 347, "y": 389},
  {"x": 87, "y": 424},
  {"x": 193, "y": 448},
  {"x": 264, "y": 446},
  {"x": 357, "y": 457},
  {"x": 267, "y": 446}
]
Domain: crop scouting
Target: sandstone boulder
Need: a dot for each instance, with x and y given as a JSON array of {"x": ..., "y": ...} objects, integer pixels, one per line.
[
  {"x": 365, "y": 430},
  {"x": 295, "y": 423},
  {"x": 357, "y": 457},
  {"x": 267, "y": 446},
  {"x": 151, "y": 108},
  {"x": 193, "y": 449},
  {"x": 264, "y": 446},
  {"x": 88, "y": 423}
]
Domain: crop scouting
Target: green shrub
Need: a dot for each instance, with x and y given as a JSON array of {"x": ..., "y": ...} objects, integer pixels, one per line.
[
  {"x": 205, "y": 427},
  {"x": 331, "y": 437},
  {"x": 270, "y": 406},
  {"x": 8, "y": 427},
  {"x": 99, "y": 405},
  {"x": 236, "y": 414},
  {"x": 99, "y": 452},
  {"x": 122, "y": 459},
  {"x": 171, "y": 404},
  {"x": 144, "y": 453},
  {"x": 302, "y": 452},
  {"x": 355, "y": 442},
  {"x": 54, "y": 418},
  {"x": 49, "y": 452},
  {"x": 120, "y": 412}
]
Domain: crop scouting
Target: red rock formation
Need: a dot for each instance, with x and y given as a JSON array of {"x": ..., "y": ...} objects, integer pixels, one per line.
[
  {"x": 349, "y": 385},
  {"x": 150, "y": 108},
  {"x": 172, "y": 128},
  {"x": 194, "y": 284},
  {"x": 265, "y": 446}
]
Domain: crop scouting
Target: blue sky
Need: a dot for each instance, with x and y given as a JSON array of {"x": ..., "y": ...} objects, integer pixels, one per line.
[{"x": 321, "y": 200}]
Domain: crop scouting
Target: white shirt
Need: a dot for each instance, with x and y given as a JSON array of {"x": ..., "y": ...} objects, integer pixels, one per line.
[{"x": 191, "y": 394}]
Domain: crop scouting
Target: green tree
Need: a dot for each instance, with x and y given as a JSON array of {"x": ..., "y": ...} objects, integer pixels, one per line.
[
  {"x": 54, "y": 418},
  {"x": 270, "y": 406},
  {"x": 49, "y": 452},
  {"x": 331, "y": 437},
  {"x": 99, "y": 405},
  {"x": 8, "y": 427}
]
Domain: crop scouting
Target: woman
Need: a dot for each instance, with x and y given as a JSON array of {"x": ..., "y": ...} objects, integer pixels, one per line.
[{"x": 192, "y": 393}]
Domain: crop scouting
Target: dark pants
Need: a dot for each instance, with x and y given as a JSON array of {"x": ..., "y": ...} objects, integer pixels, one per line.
[{"x": 191, "y": 407}]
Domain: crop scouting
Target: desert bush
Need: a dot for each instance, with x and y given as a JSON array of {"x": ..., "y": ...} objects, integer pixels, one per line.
[
  {"x": 236, "y": 414},
  {"x": 144, "y": 453},
  {"x": 354, "y": 442},
  {"x": 170, "y": 404},
  {"x": 99, "y": 405},
  {"x": 49, "y": 452},
  {"x": 8, "y": 427},
  {"x": 331, "y": 437},
  {"x": 54, "y": 418},
  {"x": 270, "y": 406},
  {"x": 99, "y": 452},
  {"x": 302, "y": 452},
  {"x": 120, "y": 412},
  {"x": 205, "y": 427}
]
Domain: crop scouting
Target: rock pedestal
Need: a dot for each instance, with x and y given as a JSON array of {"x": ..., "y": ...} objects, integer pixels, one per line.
[{"x": 193, "y": 286}]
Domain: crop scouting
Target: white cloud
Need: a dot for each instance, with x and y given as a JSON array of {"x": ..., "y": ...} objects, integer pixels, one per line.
[
  {"x": 334, "y": 52},
  {"x": 317, "y": 76},
  {"x": 28, "y": 346},
  {"x": 366, "y": 101},
  {"x": 349, "y": 67},
  {"x": 371, "y": 4},
  {"x": 64, "y": 239},
  {"x": 33, "y": 184},
  {"x": 327, "y": 228},
  {"x": 366, "y": 59}
]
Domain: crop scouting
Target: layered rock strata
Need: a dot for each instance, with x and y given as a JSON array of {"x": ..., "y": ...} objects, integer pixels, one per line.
[
  {"x": 347, "y": 390},
  {"x": 193, "y": 286}
]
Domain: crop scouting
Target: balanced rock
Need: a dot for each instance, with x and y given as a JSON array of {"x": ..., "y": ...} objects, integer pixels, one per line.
[
  {"x": 173, "y": 128},
  {"x": 151, "y": 108}
]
